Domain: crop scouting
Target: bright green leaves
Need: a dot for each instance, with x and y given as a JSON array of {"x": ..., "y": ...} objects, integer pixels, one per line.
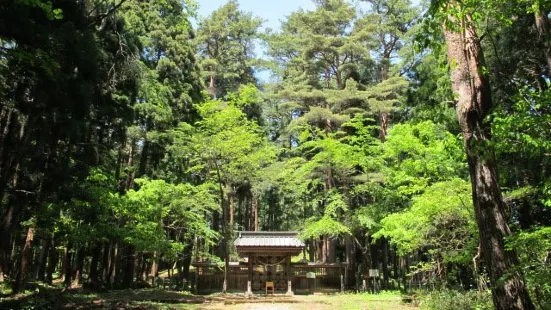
[
  {"x": 524, "y": 125},
  {"x": 326, "y": 226},
  {"x": 440, "y": 220},
  {"x": 158, "y": 206},
  {"x": 224, "y": 144},
  {"x": 419, "y": 154},
  {"x": 533, "y": 250}
]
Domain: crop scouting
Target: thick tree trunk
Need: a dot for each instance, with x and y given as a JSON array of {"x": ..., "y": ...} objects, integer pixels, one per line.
[
  {"x": 474, "y": 102},
  {"x": 386, "y": 275},
  {"x": 79, "y": 265},
  {"x": 188, "y": 254},
  {"x": 67, "y": 265},
  {"x": 154, "y": 266},
  {"x": 350, "y": 246},
  {"x": 383, "y": 119},
  {"x": 94, "y": 273},
  {"x": 43, "y": 259},
  {"x": 10, "y": 213},
  {"x": 52, "y": 263},
  {"x": 24, "y": 263},
  {"x": 128, "y": 276},
  {"x": 113, "y": 259},
  {"x": 106, "y": 261}
]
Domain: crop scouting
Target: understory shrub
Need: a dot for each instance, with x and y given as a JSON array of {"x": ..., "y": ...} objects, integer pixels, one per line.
[{"x": 456, "y": 300}]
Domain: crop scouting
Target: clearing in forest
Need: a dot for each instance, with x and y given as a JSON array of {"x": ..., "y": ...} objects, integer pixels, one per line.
[{"x": 162, "y": 299}]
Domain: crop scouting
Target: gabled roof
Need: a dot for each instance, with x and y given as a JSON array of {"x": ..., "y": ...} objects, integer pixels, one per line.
[{"x": 255, "y": 241}]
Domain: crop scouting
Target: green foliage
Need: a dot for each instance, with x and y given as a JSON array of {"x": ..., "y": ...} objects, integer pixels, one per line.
[
  {"x": 226, "y": 42},
  {"x": 419, "y": 154},
  {"x": 326, "y": 226},
  {"x": 523, "y": 124},
  {"x": 224, "y": 144},
  {"x": 158, "y": 205},
  {"x": 440, "y": 220},
  {"x": 533, "y": 248},
  {"x": 456, "y": 300}
]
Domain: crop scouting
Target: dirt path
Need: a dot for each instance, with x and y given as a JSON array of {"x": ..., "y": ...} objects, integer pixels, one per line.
[
  {"x": 260, "y": 306},
  {"x": 337, "y": 302}
]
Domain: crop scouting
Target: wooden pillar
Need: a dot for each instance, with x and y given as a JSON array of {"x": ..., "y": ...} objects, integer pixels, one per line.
[
  {"x": 289, "y": 276},
  {"x": 342, "y": 272},
  {"x": 250, "y": 276}
]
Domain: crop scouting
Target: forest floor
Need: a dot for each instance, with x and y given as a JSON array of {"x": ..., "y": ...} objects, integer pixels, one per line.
[{"x": 154, "y": 299}]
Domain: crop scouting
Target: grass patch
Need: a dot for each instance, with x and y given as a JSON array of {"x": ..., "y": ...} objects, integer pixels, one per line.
[{"x": 346, "y": 301}]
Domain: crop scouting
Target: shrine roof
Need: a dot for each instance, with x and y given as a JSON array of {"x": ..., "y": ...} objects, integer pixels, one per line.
[{"x": 268, "y": 239}]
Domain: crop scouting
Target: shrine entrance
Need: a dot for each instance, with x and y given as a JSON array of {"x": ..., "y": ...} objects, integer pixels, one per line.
[{"x": 268, "y": 257}]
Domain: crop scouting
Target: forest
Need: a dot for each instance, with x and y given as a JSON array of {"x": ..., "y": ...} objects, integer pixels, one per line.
[{"x": 136, "y": 137}]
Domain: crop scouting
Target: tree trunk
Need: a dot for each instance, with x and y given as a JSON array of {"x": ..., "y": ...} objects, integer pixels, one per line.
[
  {"x": 113, "y": 259},
  {"x": 67, "y": 265},
  {"x": 43, "y": 259},
  {"x": 255, "y": 212},
  {"x": 24, "y": 264},
  {"x": 383, "y": 118},
  {"x": 106, "y": 261},
  {"x": 52, "y": 263},
  {"x": 154, "y": 266},
  {"x": 188, "y": 253},
  {"x": 6, "y": 229},
  {"x": 130, "y": 178},
  {"x": 79, "y": 265},
  {"x": 232, "y": 205},
  {"x": 94, "y": 273},
  {"x": 350, "y": 246},
  {"x": 128, "y": 276},
  {"x": 474, "y": 102},
  {"x": 385, "y": 263}
]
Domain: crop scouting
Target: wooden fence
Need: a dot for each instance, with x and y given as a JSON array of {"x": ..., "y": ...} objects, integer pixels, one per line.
[{"x": 210, "y": 278}]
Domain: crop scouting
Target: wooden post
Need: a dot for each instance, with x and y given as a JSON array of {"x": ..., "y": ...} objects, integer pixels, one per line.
[
  {"x": 250, "y": 276},
  {"x": 289, "y": 276},
  {"x": 342, "y": 281}
]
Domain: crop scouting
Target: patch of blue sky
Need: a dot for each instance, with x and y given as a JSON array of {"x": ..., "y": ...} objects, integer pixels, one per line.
[{"x": 273, "y": 12}]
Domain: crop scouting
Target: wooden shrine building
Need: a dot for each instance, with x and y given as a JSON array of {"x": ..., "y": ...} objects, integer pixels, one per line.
[{"x": 266, "y": 258}]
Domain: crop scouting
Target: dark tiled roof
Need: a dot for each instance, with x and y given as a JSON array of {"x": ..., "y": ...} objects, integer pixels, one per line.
[{"x": 275, "y": 239}]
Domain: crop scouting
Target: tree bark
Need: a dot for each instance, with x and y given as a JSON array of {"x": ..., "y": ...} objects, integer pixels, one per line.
[
  {"x": 188, "y": 253},
  {"x": 67, "y": 265},
  {"x": 106, "y": 261},
  {"x": 386, "y": 275},
  {"x": 472, "y": 86},
  {"x": 232, "y": 205},
  {"x": 255, "y": 212},
  {"x": 79, "y": 265},
  {"x": 24, "y": 264},
  {"x": 52, "y": 262},
  {"x": 94, "y": 273},
  {"x": 42, "y": 261},
  {"x": 128, "y": 275},
  {"x": 154, "y": 265}
]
